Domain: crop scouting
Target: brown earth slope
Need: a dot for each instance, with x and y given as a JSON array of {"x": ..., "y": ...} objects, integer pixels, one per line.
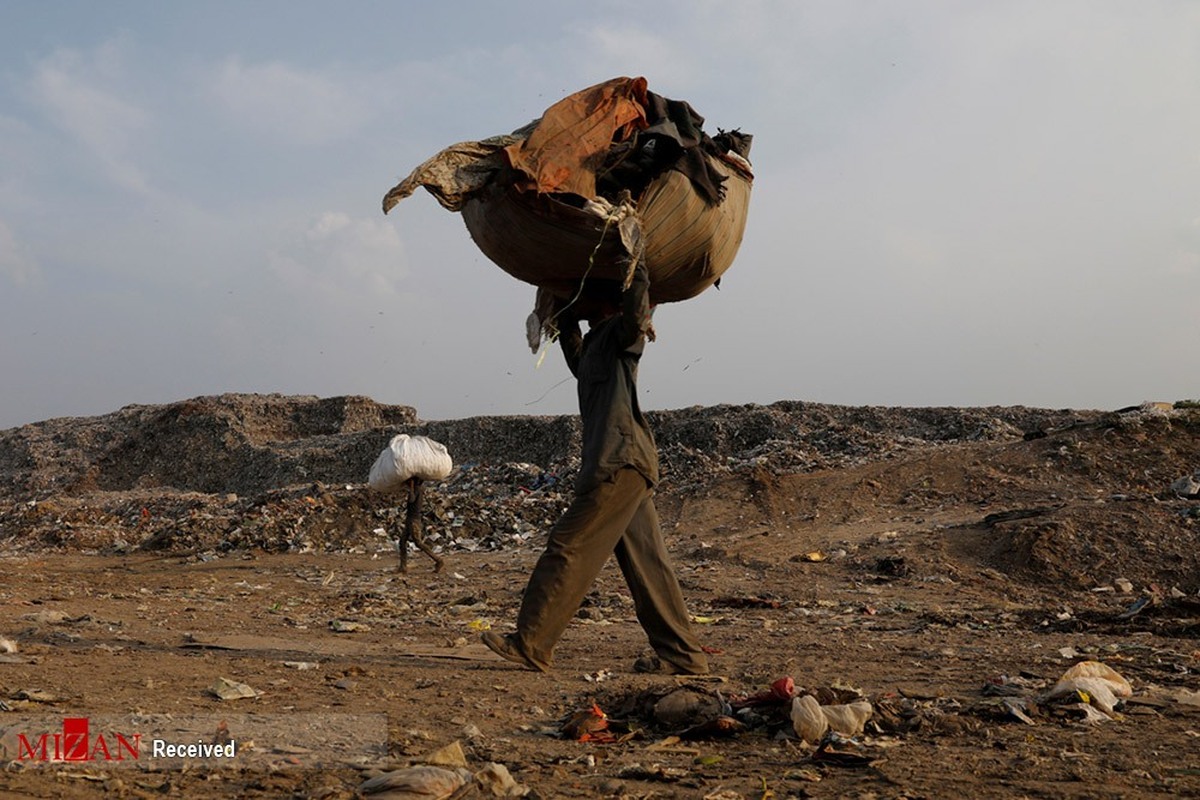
[{"x": 946, "y": 564}]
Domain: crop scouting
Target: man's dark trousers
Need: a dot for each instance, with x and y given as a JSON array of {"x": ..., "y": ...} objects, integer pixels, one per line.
[{"x": 617, "y": 516}]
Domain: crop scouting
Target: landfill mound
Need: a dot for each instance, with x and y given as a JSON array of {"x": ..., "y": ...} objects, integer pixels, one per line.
[
  {"x": 287, "y": 474},
  {"x": 897, "y": 602}
]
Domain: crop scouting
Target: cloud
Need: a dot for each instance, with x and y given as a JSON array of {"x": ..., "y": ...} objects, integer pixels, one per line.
[
  {"x": 76, "y": 90},
  {"x": 288, "y": 104},
  {"x": 339, "y": 257},
  {"x": 17, "y": 264}
]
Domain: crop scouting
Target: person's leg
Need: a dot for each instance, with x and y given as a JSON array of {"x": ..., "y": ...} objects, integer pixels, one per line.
[
  {"x": 579, "y": 544},
  {"x": 657, "y": 598}
]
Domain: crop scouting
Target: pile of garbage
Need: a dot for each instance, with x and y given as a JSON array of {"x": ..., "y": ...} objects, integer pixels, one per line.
[
  {"x": 841, "y": 725},
  {"x": 444, "y": 773},
  {"x": 287, "y": 474}
]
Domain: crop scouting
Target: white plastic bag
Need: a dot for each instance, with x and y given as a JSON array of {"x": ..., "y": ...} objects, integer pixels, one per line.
[
  {"x": 1102, "y": 684},
  {"x": 409, "y": 457},
  {"x": 811, "y": 720}
]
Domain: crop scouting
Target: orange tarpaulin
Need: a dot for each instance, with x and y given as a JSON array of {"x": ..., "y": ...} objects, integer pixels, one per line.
[{"x": 573, "y": 136}]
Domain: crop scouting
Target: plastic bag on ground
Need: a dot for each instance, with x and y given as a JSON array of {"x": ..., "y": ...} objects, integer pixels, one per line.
[
  {"x": 1102, "y": 685},
  {"x": 811, "y": 720},
  {"x": 1095, "y": 669}
]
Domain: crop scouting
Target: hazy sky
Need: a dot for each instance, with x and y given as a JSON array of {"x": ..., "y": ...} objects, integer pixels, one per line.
[{"x": 956, "y": 203}]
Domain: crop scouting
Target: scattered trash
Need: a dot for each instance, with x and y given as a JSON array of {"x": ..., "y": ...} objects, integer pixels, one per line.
[
  {"x": 1091, "y": 683},
  {"x": 1005, "y": 686},
  {"x": 728, "y": 794},
  {"x": 781, "y": 691},
  {"x": 496, "y": 780},
  {"x": 811, "y": 720},
  {"x": 7, "y": 645},
  {"x": 451, "y": 755},
  {"x": 418, "y": 783},
  {"x": 301, "y": 665},
  {"x": 719, "y": 727},
  {"x": 226, "y": 689},
  {"x": 1124, "y": 586},
  {"x": 1018, "y": 709},
  {"x": 47, "y": 616},
  {"x": 37, "y": 696},
  {"x": 806, "y": 775},
  {"x": 829, "y": 751},
  {"x": 346, "y": 626},
  {"x": 656, "y": 773},
  {"x": 1088, "y": 713},
  {"x": 1139, "y": 605},
  {"x": 1188, "y": 485},
  {"x": 585, "y": 725},
  {"x": 894, "y": 566},
  {"x": 298, "y": 498}
]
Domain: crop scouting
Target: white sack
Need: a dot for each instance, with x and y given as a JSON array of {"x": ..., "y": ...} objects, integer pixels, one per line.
[{"x": 409, "y": 457}]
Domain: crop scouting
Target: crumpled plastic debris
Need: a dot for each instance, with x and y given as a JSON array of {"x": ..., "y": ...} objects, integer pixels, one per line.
[
  {"x": 832, "y": 751},
  {"x": 811, "y": 720},
  {"x": 1093, "y": 683},
  {"x": 348, "y": 626},
  {"x": 496, "y": 780},
  {"x": 781, "y": 691},
  {"x": 417, "y": 783},
  {"x": 451, "y": 756},
  {"x": 1188, "y": 485},
  {"x": 585, "y": 725}
]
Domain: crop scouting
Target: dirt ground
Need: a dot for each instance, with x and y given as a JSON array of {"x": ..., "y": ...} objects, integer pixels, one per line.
[{"x": 948, "y": 567}]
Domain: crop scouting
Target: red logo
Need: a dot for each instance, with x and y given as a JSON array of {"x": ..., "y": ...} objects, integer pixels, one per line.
[{"x": 76, "y": 743}]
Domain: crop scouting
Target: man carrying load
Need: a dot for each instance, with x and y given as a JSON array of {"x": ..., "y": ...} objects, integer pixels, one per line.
[
  {"x": 612, "y": 186},
  {"x": 613, "y": 510}
]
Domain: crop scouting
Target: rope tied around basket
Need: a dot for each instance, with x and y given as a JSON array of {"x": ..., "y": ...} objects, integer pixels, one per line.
[{"x": 624, "y": 215}]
